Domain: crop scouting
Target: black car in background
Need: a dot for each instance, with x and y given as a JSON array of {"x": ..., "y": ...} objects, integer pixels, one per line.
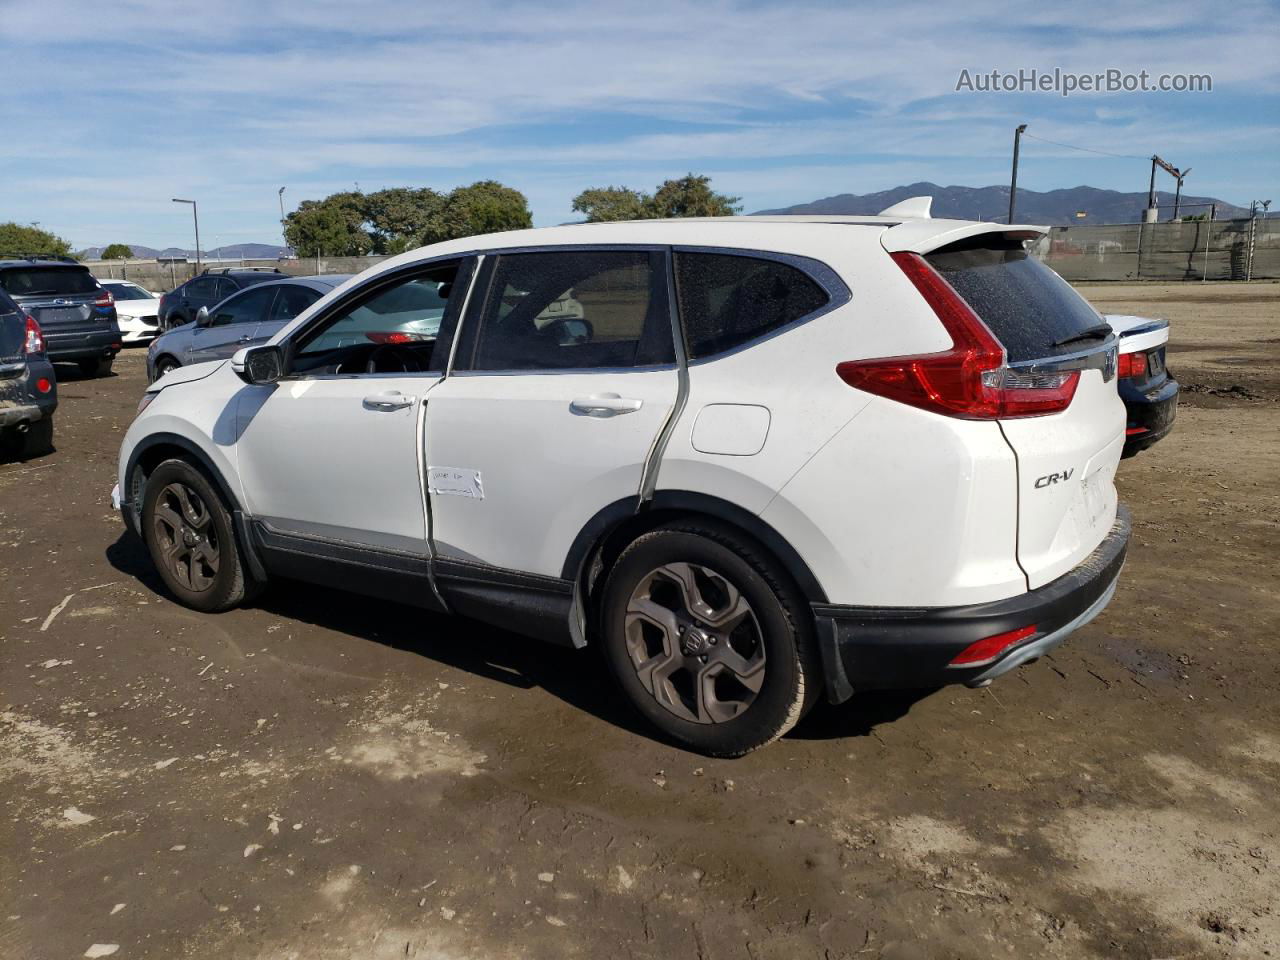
[
  {"x": 76, "y": 315},
  {"x": 1149, "y": 392},
  {"x": 28, "y": 390},
  {"x": 181, "y": 305}
]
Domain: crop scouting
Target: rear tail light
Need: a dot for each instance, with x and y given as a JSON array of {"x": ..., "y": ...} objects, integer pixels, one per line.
[
  {"x": 988, "y": 648},
  {"x": 1131, "y": 366},
  {"x": 33, "y": 340},
  {"x": 104, "y": 299},
  {"x": 395, "y": 336},
  {"x": 970, "y": 380}
]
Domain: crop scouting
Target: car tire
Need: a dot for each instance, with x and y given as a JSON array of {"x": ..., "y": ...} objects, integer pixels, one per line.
[
  {"x": 191, "y": 539},
  {"x": 97, "y": 367},
  {"x": 164, "y": 364},
  {"x": 708, "y": 638},
  {"x": 38, "y": 440}
]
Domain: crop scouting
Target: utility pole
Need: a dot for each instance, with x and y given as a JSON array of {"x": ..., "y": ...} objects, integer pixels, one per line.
[
  {"x": 280, "y": 196},
  {"x": 1177, "y": 197},
  {"x": 1013, "y": 181},
  {"x": 195, "y": 215}
]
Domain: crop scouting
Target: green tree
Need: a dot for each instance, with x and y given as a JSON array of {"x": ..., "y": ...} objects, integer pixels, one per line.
[
  {"x": 117, "y": 251},
  {"x": 16, "y": 238},
  {"x": 332, "y": 227},
  {"x": 484, "y": 207},
  {"x": 692, "y": 196},
  {"x": 401, "y": 218},
  {"x": 613, "y": 203},
  {"x": 689, "y": 196}
]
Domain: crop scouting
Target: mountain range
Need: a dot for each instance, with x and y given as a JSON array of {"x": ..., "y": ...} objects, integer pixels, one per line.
[
  {"x": 990, "y": 203},
  {"x": 235, "y": 251}
]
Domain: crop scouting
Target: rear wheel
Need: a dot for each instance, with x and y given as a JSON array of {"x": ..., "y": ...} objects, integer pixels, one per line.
[
  {"x": 164, "y": 365},
  {"x": 708, "y": 639},
  {"x": 38, "y": 440},
  {"x": 97, "y": 367},
  {"x": 189, "y": 534}
]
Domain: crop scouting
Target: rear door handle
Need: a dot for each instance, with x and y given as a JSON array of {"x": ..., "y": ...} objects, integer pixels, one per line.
[
  {"x": 605, "y": 405},
  {"x": 392, "y": 400}
]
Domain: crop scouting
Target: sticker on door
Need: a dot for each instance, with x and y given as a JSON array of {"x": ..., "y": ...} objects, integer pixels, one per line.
[{"x": 455, "y": 482}]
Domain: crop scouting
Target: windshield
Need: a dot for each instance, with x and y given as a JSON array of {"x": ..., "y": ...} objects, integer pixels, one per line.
[
  {"x": 48, "y": 281},
  {"x": 127, "y": 291}
]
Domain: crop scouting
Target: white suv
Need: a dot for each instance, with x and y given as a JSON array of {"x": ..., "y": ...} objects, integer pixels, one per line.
[{"x": 757, "y": 460}]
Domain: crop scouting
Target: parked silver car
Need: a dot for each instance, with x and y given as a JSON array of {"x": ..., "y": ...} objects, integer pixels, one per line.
[{"x": 249, "y": 316}]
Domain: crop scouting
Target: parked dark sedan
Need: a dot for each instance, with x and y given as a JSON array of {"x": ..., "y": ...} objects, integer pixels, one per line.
[
  {"x": 181, "y": 305},
  {"x": 77, "y": 316},
  {"x": 28, "y": 390},
  {"x": 1149, "y": 393},
  {"x": 243, "y": 319}
]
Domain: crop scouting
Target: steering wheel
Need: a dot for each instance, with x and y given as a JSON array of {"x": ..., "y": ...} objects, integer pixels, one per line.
[{"x": 406, "y": 359}]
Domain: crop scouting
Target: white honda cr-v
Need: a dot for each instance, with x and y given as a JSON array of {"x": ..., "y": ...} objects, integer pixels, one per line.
[{"x": 757, "y": 460}]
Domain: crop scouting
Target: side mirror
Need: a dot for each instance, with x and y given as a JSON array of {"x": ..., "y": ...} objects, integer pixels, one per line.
[
  {"x": 202, "y": 317},
  {"x": 259, "y": 365}
]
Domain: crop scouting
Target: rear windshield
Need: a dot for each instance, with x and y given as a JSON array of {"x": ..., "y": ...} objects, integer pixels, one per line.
[
  {"x": 48, "y": 281},
  {"x": 1030, "y": 309}
]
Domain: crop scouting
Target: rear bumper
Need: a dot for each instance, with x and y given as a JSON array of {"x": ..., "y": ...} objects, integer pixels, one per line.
[
  {"x": 877, "y": 648},
  {"x": 82, "y": 345},
  {"x": 20, "y": 401},
  {"x": 1149, "y": 416}
]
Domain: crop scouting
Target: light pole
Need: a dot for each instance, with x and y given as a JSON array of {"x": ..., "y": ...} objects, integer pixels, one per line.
[
  {"x": 195, "y": 216},
  {"x": 1013, "y": 182},
  {"x": 280, "y": 197},
  {"x": 1177, "y": 195}
]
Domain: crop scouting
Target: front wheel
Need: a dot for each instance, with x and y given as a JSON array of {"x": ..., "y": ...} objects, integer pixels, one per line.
[
  {"x": 189, "y": 534},
  {"x": 708, "y": 639},
  {"x": 164, "y": 365}
]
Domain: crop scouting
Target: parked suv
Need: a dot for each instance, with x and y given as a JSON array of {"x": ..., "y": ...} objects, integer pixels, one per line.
[
  {"x": 28, "y": 389},
  {"x": 181, "y": 304},
  {"x": 249, "y": 316},
  {"x": 761, "y": 461},
  {"x": 77, "y": 316}
]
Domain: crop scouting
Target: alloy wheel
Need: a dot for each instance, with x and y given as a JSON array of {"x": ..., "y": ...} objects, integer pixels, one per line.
[
  {"x": 187, "y": 537},
  {"x": 695, "y": 643}
]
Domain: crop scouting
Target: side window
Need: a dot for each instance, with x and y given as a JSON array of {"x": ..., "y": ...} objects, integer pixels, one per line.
[
  {"x": 729, "y": 299},
  {"x": 572, "y": 310},
  {"x": 250, "y": 307},
  {"x": 224, "y": 288},
  {"x": 393, "y": 328},
  {"x": 291, "y": 302},
  {"x": 202, "y": 288}
]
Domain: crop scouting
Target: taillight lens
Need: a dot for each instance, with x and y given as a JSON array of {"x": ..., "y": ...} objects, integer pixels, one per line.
[
  {"x": 33, "y": 341},
  {"x": 104, "y": 299},
  {"x": 1131, "y": 366},
  {"x": 970, "y": 380},
  {"x": 988, "y": 648}
]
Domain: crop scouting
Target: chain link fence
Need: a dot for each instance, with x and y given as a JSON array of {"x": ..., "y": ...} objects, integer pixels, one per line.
[{"x": 1190, "y": 250}]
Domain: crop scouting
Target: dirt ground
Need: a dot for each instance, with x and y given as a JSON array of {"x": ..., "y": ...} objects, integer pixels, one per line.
[{"x": 324, "y": 777}]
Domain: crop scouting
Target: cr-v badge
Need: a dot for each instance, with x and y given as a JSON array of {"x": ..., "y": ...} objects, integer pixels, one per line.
[{"x": 1053, "y": 478}]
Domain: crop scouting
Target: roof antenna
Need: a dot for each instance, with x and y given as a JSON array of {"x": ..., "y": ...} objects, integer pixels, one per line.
[{"x": 913, "y": 208}]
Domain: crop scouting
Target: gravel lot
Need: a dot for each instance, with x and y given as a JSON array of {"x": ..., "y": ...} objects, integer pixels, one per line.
[{"x": 326, "y": 777}]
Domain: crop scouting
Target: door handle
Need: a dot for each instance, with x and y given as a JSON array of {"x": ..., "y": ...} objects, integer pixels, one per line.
[
  {"x": 392, "y": 400},
  {"x": 605, "y": 405},
  {"x": 245, "y": 339}
]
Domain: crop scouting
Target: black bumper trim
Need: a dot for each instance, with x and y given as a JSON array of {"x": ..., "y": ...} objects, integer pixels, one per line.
[{"x": 879, "y": 648}]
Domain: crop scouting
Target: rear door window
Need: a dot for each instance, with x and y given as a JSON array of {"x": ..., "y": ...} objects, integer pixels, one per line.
[
  {"x": 202, "y": 288},
  {"x": 572, "y": 310},
  {"x": 48, "y": 281},
  {"x": 291, "y": 301},
  {"x": 249, "y": 307},
  {"x": 727, "y": 300},
  {"x": 1029, "y": 308}
]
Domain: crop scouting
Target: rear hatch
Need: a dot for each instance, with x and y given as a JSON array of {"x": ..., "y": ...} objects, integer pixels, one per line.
[
  {"x": 64, "y": 299},
  {"x": 1066, "y": 460}
]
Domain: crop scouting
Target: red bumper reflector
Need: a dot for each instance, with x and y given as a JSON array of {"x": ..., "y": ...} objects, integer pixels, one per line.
[
  {"x": 1134, "y": 431},
  {"x": 988, "y": 648},
  {"x": 43, "y": 385}
]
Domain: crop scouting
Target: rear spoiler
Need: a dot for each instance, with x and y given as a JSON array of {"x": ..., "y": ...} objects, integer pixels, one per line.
[{"x": 924, "y": 236}]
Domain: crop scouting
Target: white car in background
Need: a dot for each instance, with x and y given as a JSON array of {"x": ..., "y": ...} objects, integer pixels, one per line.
[
  {"x": 137, "y": 310},
  {"x": 762, "y": 460}
]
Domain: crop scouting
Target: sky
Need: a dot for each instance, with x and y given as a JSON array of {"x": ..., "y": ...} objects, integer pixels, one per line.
[{"x": 112, "y": 109}]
